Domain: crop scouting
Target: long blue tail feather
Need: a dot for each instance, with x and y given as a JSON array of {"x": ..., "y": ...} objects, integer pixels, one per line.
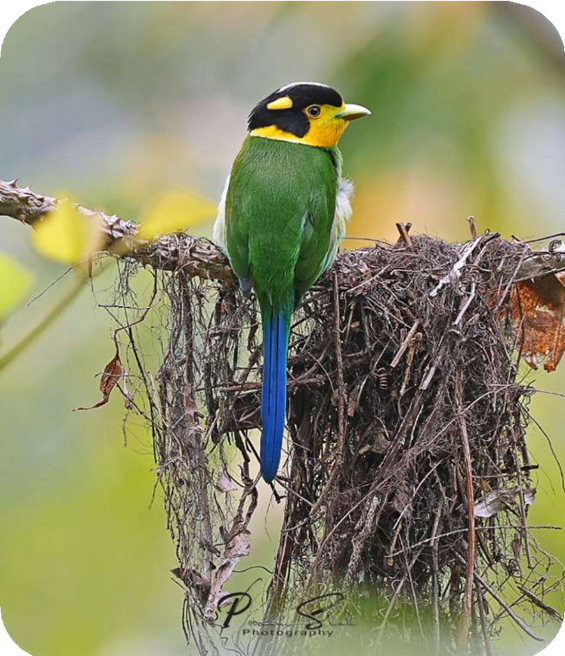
[{"x": 273, "y": 396}]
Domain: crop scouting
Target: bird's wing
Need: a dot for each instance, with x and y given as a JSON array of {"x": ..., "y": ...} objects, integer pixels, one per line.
[
  {"x": 234, "y": 228},
  {"x": 315, "y": 240},
  {"x": 321, "y": 231}
]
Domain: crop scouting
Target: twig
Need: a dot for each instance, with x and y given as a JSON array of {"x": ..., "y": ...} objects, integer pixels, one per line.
[
  {"x": 341, "y": 396},
  {"x": 405, "y": 344},
  {"x": 464, "y": 622},
  {"x": 504, "y": 605},
  {"x": 484, "y": 622},
  {"x": 538, "y": 239},
  {"x": 435, "y": 580},
  {"x": 454, "y": 274},
  {"x": 196, "y": 257},
  {"x": 395, "y": 596},
  {"x": 429, "y": 374},
  {"x": 363, "y": 530},
  {"x": 199, "y": 257},
  {"x": 554, "y": 614},
  {"x": 511, "y": 281},
  {"x": 539, "y": 527},
  {"x": 404, "y": 229},
  {"x": 466, "y": 304}
]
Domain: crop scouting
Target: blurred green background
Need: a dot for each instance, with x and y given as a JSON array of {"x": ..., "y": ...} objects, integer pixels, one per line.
[{"x": 114, "y": 103}]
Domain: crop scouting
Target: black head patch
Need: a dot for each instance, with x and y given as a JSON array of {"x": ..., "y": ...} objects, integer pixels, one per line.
[{"x": 293, "y": 120}]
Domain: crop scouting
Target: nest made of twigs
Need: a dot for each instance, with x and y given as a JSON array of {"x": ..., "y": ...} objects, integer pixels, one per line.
[{"x": 407, "y": 411}]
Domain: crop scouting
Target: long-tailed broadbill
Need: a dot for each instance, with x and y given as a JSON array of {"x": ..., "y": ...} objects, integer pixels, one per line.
[{"x": 280, "y": 220}]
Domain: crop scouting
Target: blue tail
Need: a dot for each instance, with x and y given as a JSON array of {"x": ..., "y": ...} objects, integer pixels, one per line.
[{"x": 273, "y": 396}]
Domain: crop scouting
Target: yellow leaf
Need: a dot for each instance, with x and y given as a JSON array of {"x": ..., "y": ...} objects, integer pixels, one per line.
[
  {"x": 14, "y": 283},
  {"x": 175, "y": 212},
  {"x": 66, "y": 236}
]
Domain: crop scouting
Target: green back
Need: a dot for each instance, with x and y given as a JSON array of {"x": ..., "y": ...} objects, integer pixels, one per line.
[{"x": 279, "y": 212}]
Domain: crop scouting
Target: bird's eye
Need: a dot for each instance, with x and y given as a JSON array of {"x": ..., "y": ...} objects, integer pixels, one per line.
[{"x": 314, "y": 111}]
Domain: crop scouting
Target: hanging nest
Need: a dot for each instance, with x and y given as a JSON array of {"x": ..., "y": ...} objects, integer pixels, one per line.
[{"x": 406, "y": 477}]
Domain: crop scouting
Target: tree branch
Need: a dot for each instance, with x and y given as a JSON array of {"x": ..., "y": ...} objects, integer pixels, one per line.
[{"x": 196, "y": 257}]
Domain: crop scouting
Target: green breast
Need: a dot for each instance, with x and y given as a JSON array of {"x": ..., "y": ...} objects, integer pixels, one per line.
[{"x": 279, "y": 212}]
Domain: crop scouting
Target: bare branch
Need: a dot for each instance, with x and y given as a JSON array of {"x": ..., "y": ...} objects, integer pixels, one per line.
[
  {"x": 196, "y": 257},
  {"x": 200, "y": 257}
]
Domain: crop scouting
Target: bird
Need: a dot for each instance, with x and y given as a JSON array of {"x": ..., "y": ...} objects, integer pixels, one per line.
[{"x": 281, "y": 217}]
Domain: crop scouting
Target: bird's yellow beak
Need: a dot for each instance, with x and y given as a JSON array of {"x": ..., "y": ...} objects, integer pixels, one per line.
[{"x": 350, "y": 112}]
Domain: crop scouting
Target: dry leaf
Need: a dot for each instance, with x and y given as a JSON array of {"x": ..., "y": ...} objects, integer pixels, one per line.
[
  {"x": 502, "y": 499},
  {"x": 515, "y": 545},
  {"x": 236, "y": 548},
  {"x": 225, "y": 484},
  {"x": 112, "y": 373},
  {"x": 128, "y": 396},
  {"x": 538, "y": 306},
  {"x": 529, "y": 496}
]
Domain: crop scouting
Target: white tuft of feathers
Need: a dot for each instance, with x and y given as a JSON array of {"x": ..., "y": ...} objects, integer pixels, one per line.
[{"x": 219, "y": 231}]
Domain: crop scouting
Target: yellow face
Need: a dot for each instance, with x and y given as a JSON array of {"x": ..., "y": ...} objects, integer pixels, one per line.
[
  {"x": 325, "y": 129},
  {"x": 308, "y": 113}
]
